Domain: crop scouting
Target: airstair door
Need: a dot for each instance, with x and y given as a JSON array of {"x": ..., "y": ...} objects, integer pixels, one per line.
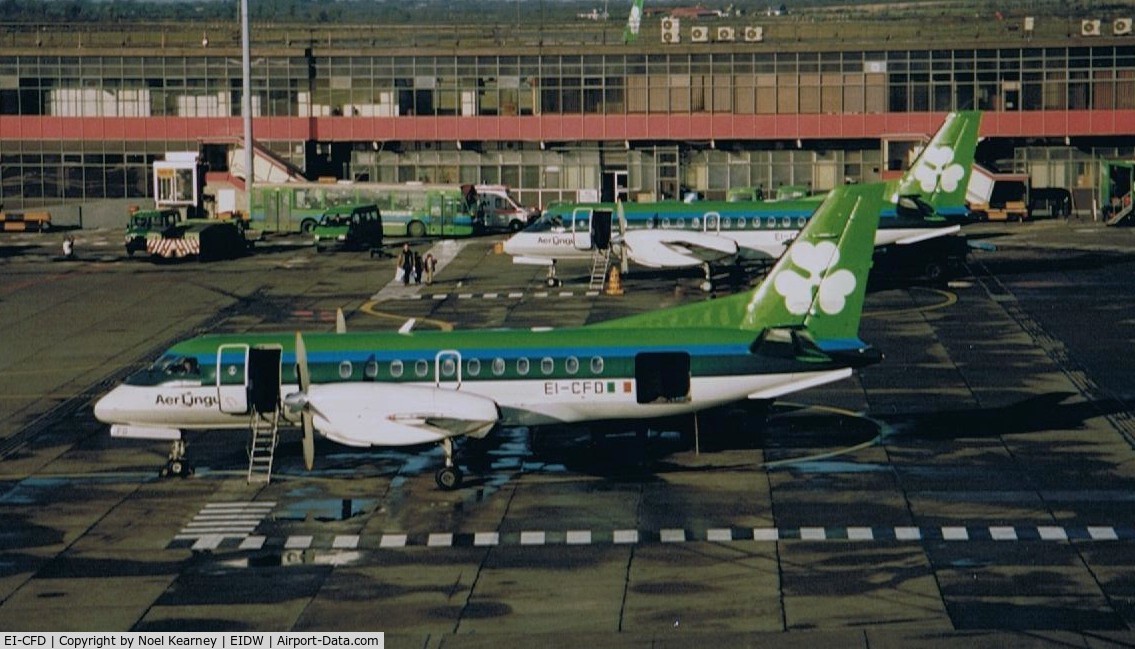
[
  {"x": 581, "y": 228},
  {"x": 447, "y": 369},
  {"x": 248, "y": 378},
  {"x": 232, "y": 379}
]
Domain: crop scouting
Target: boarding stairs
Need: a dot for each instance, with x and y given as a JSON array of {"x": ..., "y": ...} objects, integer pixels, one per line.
[
  {"x": 600, "y": 261},
  {"x": 265, "y": 429},
  {"x": 1124, "y": 214}
]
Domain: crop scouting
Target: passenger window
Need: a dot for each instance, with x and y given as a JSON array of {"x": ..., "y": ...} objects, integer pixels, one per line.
[
  {"x": 345, "y": 369},
  {"x": 498, "y": 366},
  {"x": 396, "y": 368},
  {"x": 421, "y": 367},
  {"x": 522, "y": 366},
  {"x": 371, "y": 369},
  {"x": 448, "y": 367},
  {"x": 547, "y": 365},
  {"x": 596, "y": 364},
  {"x": 571, "y": 365},
  {"x": 473, "y": 368},
  {"x": 741, "y": 223}
]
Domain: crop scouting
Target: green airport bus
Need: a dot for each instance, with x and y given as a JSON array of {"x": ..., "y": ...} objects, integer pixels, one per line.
[{"x": 407, "y": 210}]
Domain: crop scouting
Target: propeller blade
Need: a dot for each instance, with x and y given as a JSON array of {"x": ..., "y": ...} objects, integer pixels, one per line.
[
  {"x": 340, "y": 322},
  {"x": 621, "y": 213},
  {"x": 303, "y": 377},
  {"x": 302, "y": 373},
  {"x": 308, "y": 440}
]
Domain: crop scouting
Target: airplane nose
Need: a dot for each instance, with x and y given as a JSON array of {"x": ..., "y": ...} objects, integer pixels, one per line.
[
  {"x": 511, "y": 246},
  {"x": 109, "y": 407}
]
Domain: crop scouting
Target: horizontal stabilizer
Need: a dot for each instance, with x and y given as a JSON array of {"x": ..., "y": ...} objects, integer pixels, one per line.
[{"x": 926, "y": 235}]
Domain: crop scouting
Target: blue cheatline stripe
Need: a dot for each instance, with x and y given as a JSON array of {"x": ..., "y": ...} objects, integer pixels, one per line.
[
  {"x": 531, "y": 353},
  {"x": 945, "y": 534}
]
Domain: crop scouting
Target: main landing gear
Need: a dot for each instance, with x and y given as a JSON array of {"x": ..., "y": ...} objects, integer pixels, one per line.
[
  {"x": 448, "y": 477},
  {"x": 176, "y": 466},
  {"x": 707, "y": 283}
]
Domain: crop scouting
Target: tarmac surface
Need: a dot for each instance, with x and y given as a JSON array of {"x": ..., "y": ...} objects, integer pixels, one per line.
[{"x": 976, "y": 488}]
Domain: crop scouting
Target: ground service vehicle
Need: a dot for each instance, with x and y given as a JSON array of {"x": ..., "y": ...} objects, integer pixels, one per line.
[
  {"x": 205, "y": 239},
  {"x": 352, "y": 227},
  {"x": 143, "y": 222}
]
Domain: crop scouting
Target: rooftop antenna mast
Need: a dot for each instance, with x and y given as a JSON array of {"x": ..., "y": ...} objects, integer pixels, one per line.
[{"x": 246, "y": 103}]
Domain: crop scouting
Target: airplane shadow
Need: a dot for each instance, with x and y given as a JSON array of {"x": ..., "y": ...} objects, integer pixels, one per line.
[
  {"x": 1035, "y": 414},
  {"x": 621, "y": 452}
]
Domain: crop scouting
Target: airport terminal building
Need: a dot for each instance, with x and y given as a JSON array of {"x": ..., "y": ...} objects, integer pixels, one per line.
[{"x": 704, "y": 104}]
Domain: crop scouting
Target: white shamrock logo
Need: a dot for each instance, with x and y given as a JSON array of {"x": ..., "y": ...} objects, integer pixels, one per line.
[
  {"x": 936, "y": 170},
  {"x": 798, "y": 290}
]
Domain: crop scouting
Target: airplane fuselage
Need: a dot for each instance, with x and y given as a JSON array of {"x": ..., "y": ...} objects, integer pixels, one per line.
[{"x": 534, "y": 377}]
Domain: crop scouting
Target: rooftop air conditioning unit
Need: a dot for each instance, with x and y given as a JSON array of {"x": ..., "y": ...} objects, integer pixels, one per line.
[
  {"x": 754, "y": 34},
  {"x": 699, "y": 34},
  {"x": 1090, "y": 27},
  {"x": 670, "y": 33},
  {"x": 1121, "y": 27},
  {"x": 726, "y": 34}
]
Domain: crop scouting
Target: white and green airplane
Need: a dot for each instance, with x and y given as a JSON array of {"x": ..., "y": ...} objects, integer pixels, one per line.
[
  {"x": 927, "y": 202},
  {"x": 797, "y": 330}
]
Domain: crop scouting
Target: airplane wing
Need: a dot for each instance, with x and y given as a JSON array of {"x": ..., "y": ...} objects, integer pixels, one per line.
[
  {"x": 374, "y": 414},
  {"x": 676, "y": 248}
]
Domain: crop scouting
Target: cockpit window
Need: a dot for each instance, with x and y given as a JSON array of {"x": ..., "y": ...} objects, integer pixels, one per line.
[
  {"x": 182, "y": 366},
  {"x": 170, "y": 367},
  {"x": 547, "y": 223}
]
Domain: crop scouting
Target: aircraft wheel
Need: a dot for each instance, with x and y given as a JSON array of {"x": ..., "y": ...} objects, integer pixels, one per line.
[
  {"x": 707, "y": 286},
  {"x": 552, "y": 282},
  {"x": 177, "y": 468},
  {"x": 448, "y": 478},
  {"x": 934, "y": 270}
]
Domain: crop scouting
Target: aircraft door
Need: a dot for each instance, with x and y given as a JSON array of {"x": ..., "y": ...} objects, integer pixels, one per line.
[
  {"x": 581, "y": 227},
  {"x": 662, "y": 377},
  {"x": 601, "y": 229},
  {"x": 264, "y": 378},
  {"x": 232, "y": 379},
  {"x": 447, "y": 369},
  {"x": 711, "y": 222}
]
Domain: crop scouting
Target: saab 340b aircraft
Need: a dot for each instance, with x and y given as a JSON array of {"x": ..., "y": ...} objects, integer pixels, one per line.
[
  {"x": 797, "y": 330},
  {"x": 929, "y": 201}
]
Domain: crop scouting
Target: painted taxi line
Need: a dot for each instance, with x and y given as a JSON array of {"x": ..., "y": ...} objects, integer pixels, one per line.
[
  {"x": 511, "y": 295},
  {"x": 1001, "y": 533}
]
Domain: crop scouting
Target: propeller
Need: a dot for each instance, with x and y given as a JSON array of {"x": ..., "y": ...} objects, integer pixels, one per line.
[
  {"x": 621, "y": 214},
  {"x": 299, "y": 402}
]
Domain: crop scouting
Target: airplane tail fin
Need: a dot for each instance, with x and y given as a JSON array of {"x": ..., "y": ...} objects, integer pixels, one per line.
[
  {"x": 941, "y": 173},
  {"x": 634, "y": 20},
  {"x": 818, "y": 284}
]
